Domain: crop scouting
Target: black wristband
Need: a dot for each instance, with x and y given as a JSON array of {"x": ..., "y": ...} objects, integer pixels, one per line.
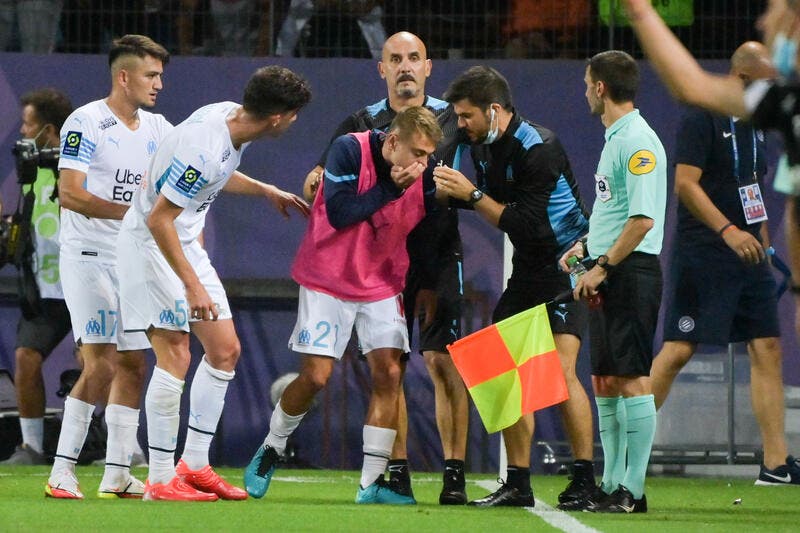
[{"x": 723, "y": 228}]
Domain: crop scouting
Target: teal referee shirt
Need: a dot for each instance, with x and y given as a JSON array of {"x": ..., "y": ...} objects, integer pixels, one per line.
[{"x": 631, "y": 180}]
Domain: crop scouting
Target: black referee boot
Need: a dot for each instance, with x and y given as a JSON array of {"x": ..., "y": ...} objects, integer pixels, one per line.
[
  {"x": 620, "y": 501},
  {"x": 581, "y": 487}
]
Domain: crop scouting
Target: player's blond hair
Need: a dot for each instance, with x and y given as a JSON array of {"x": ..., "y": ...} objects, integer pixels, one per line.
[{"x": 416, "y": 120}]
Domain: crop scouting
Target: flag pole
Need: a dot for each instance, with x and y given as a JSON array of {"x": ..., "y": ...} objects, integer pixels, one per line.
[{"x": 508, "y": 253}]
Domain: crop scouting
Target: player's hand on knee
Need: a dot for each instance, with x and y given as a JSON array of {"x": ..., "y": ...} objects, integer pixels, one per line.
[{"x": 201, "y": 306}]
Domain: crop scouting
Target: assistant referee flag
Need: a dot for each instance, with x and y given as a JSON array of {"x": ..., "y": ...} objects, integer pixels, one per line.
[{"x": 511, "y": 368}]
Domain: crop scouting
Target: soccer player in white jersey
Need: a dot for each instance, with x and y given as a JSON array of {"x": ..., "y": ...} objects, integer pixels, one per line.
[
  {"x": 106, "y": 146},
  {"x": 169, "y": 287}
]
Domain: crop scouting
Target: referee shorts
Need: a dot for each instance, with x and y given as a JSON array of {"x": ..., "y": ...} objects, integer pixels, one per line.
[{"x": 622, "y": 329}]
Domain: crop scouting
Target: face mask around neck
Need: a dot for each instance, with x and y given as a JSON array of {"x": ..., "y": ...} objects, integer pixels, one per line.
[
  {"x": 784, "y": 54},
  {"x": 491, "y": 136},
  {"x": 32, "y": 140}
]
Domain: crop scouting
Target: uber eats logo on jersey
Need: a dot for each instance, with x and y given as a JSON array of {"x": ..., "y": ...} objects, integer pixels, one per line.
[
  {"x": 72, "y": 143},
  {"x": 128, "y": 181},
  {"x": 188, "y": 179}
]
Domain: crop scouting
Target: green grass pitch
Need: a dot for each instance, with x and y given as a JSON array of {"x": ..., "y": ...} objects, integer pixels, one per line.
[{"x": 322, "y": 500}]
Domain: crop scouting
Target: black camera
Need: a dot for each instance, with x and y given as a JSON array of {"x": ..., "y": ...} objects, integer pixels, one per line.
[{"x": 29, "y": 159}]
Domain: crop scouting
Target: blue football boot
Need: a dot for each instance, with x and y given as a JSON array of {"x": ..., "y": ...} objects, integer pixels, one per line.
[
  {"x": 259, "y": 472},
  {"x": 381, "y": 492}
]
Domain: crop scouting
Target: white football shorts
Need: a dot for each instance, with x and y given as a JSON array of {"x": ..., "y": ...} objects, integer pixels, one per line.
[
  {"x": 152, "y": 294},
  {"x": 325, "y": 323},
  {"x": 91, "y": 290}
]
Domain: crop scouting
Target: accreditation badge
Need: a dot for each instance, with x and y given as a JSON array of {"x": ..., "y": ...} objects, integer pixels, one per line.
[
  {"x": 602, "y": 189},
  {"x": 752, "y": 203}
]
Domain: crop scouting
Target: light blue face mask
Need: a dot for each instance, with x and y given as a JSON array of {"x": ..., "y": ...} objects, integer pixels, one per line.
[
  {"x": 491, "y": 136},
  {"x": 784, "y": 54}
]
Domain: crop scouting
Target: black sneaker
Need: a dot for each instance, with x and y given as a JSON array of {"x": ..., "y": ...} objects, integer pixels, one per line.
[
  {"x": 505, "y": 496},
  {"x": 584, "y": 503},
  {"x": 400, "y": 482},
  {"x": 579, "y": 488},
  {"x": 788, "y": 474},
  {"x": 25, "y": 455},
  {"x": 453, "y": 487},
  {"x": 620, "y": 501}
]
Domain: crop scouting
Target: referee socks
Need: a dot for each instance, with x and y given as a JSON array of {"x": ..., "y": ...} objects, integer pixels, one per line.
[{"x": 641, "y": 420}]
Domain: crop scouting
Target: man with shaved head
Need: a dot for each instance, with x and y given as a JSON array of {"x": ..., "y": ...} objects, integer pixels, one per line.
[
  {"x": 751, "y": 62},
  {"x": 106, "y": 146},
  {"x": 723, "y": 288},
  {"x": 433, "y": 286}
]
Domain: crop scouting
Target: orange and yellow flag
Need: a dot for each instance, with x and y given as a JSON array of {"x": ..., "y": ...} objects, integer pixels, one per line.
[{"x": 511, "y": 368}]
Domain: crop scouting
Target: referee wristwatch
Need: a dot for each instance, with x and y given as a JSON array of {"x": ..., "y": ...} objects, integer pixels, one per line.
[
  {"x": 603, "y": 263},
  {"x": 475, "y": 196}
]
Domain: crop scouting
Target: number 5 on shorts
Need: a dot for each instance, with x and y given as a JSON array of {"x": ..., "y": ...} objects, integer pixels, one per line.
[{"x": 181, "y": 314}]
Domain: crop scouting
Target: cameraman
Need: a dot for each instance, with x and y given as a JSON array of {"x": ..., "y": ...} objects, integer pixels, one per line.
[{"x": 45, "y": 319}]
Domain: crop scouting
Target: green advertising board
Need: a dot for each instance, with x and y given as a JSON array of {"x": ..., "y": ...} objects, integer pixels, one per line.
[{"x": 674, "y": 12}]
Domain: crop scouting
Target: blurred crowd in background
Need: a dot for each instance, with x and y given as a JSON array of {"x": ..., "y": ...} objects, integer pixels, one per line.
[{"x": 452, "y": 29}]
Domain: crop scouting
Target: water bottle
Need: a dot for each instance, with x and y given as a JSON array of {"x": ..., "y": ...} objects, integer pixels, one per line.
[{"x": 576, "y": 270}]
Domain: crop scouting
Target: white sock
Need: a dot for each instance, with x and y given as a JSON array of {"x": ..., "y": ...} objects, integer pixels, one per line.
[
  {"x": 162, "y": 405},
  {"x": 33, "y": 433},
  {"x": 137, "y": 449},
  {"x": 378, "y": 444},
  {"x": 74, "y": 426},
  {"x": 122, "y": 422},
  {"x": 281, "y": 426},
  {"x": 207, "y": 398}
]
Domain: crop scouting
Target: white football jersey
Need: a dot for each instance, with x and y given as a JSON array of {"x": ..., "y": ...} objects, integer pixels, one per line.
[
  {"x": 190, "y": 168},
  {"x": 115, "y": 159}
]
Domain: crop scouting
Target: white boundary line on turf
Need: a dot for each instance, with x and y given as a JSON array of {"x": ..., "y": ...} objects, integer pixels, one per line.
[{"x": 558, "y": 519}]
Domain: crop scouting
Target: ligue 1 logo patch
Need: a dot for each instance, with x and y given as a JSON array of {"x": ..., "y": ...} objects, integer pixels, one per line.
[
  {"x": 72, "y": 143},
  {"x": 188, "y": 179}
]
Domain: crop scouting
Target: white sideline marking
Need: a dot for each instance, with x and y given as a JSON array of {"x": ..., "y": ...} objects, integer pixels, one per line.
[
  {"x": 305, "y": 479},
  {"x": 558, "y": 519}
]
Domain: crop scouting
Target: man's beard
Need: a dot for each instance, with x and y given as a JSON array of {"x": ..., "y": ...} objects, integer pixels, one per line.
[
  {"x": 407, "y": 86},
  {"x": 406, "y": 92}
]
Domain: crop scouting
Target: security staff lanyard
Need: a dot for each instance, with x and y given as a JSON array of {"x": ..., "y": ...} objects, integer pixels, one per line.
[{"x": 750, "y": 195}]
